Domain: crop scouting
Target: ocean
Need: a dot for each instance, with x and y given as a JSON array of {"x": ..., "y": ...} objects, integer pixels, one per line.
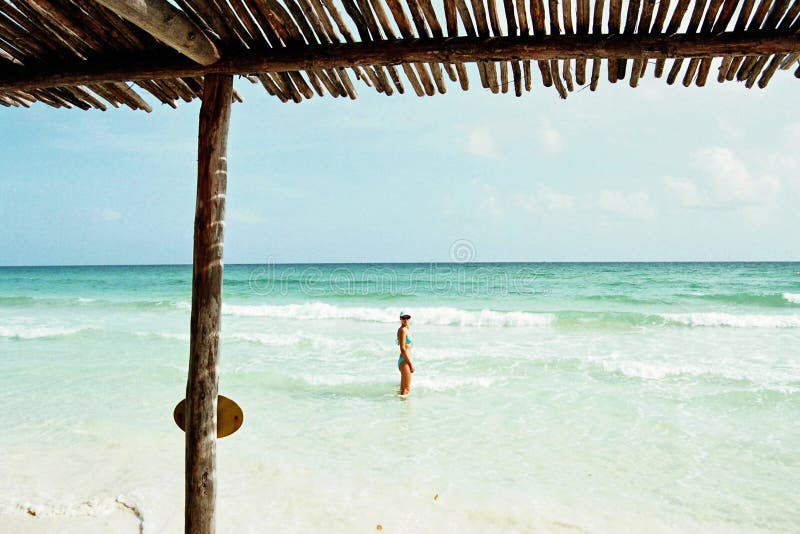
[{"x": 547, "y": 397}]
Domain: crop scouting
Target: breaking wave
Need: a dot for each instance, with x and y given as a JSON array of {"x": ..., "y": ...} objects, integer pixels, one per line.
[
  {"x": 37, "y": 332},
  {"x": 444, "y": 316},
  {"x": 734, "y": 320}
]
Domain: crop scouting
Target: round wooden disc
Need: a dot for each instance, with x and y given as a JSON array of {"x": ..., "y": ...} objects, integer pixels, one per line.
[{"x": 229, "y": 416}]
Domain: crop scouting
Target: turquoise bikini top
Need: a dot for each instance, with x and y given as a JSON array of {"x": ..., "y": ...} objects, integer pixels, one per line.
[{"x": 409, "y": 341}]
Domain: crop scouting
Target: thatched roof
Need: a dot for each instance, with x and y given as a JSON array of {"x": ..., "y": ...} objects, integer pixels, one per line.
[{"x": 83, "y": 53}]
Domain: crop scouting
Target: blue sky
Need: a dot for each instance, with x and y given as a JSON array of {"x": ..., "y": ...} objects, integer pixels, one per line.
[{"x": 656, "y": 173}]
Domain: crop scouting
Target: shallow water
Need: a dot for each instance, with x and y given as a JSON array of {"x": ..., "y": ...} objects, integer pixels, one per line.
[{"x": 547, "y": 396}]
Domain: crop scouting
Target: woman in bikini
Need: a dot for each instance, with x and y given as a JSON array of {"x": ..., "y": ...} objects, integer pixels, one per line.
[{"x": 404, "y": 362}]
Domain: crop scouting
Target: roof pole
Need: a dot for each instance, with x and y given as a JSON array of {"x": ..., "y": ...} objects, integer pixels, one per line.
[
  {"x": 168, "y": 24},
  {"x": 202, "y": 382}
]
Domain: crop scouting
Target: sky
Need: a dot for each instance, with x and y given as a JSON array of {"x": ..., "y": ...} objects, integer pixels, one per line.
[{"x": 657, "y": 173}]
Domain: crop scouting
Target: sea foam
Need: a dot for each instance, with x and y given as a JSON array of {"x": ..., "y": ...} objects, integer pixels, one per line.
[
  {"x": 794, "y": 298},
  {"x": 734, "y": 320},
  {"x": 36, "y": 332},
  {"x": 433, "y": 383},
  {"x": 444, "y": 316}
]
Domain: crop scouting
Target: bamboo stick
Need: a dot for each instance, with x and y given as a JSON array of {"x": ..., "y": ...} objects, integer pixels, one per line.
[
  {"x": 733, "y": 62},
  {"x": 122, "y": 89},
  {"x": 510, "y": 11},
  {"x": 675, "y": 21},
  {"x": 788, "y": 63},
  {"x": 369, "y": 18},
  {"x": 566, "y": 17},
  {"x": 358, "y": 19},
  {"x": 404, "y": 26},
  {"x": 524, "y": 29},
  {"x": 551, "y": 9},
  {"x": 537, "y": 18},
  {"x": 694, "y": 24},
  {"x": 412, "y": 79},
  {"x": 755, "y": 24},
  {"x": 562, "y": 92},
  {"x": 725, "y": 16},
  {"x": 346, "y": 83},
  {"x": 567, "y": 74},
  {"x": 773, "y": 19},
  {"x": 645, "y": 23},
  {"x": 337, "y": 18},
  {"x": 771, "y": 69},
  {"x": 213, "y": 19},
  {"x": 327, "y": 27},
  {"x": 631, "y": 20},
  {"x": 494, "y": 20},
  {"x": 614, "y": 27},
  {"x": 271, "y": 87},
  {"x": 105, "y": 94},
  {"x": 704, "y": 64}
]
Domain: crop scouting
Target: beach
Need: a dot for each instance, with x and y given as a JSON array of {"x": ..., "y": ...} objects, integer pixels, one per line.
[{"x": 547, "y": 397}]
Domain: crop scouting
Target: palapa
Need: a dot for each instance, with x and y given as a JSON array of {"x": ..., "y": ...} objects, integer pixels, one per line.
[{"x": 90, "y": 53}]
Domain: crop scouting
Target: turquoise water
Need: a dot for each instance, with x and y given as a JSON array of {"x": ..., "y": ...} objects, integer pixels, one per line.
[{"x": 603, "y": 397}]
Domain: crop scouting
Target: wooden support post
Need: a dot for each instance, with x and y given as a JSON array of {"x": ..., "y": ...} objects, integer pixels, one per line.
[{"x": 209, "y": 225}]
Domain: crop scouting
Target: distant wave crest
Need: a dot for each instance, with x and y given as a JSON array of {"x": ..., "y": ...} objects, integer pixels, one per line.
[
  {"x": 794, "y": 298},
  {"x": 36, "y": 332},
  {"x": 444, "y": 316},
  {"x": 765, "y": 300},
  {"x": 734, "y": 320},
  {"x": 448, "y": 316}
]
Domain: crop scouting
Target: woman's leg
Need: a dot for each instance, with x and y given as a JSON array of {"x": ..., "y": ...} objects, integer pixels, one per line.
[{"x": 405, "y": 378}]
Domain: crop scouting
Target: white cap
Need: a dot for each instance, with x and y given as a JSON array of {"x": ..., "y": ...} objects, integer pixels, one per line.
[{"x": 404, "y": 314}]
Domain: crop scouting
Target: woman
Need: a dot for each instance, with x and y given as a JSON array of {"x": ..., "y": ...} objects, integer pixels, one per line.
[{"x": 404, "y": 362}]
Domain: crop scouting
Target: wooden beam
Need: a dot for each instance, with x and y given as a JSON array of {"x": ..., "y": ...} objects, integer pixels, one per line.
[
  {"x": 399, "y": 51},
  {"x": 169, "y": 25},
  {"x": 202, "y": 382}
]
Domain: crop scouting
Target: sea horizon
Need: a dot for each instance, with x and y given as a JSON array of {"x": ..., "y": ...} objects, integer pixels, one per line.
[{"x": 422, "y": 262}]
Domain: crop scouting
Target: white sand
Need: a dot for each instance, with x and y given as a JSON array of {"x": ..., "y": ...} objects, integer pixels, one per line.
[{"x": 121, "y": 520}]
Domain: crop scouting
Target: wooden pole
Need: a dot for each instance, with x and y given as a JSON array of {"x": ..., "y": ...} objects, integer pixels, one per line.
[
  {"x": 209, "y": 225},
  {"x": 169, "y": 25},
  {"x": 391, "y": 52}
]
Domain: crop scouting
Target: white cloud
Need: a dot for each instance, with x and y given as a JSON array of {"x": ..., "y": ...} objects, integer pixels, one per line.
[
  {"x": 783, "y": 169},
  {"x": 109, "y": 215},
  {"x": 481, "y": 143},
  {"x": 545, "y": 198},
  {"x": 686, "y": 190},
  {"x": 551, "y": 139},
  {"x": 725, "y": 182},
  {"x": 557, "y": 200},
  {"x": 783, "y": 164},
  {"x": 490, "y": 202},
  {"x": 731, "y": 181},
  {"x": 246, "y": 217},
  {"x": 792, "y": 133},
  {"x": 730, "y": 129},
  {"x": 635, "y": 205}
]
